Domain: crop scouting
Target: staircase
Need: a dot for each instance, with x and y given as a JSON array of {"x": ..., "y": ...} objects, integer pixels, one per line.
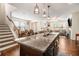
[{"x": 6, "y": 39}]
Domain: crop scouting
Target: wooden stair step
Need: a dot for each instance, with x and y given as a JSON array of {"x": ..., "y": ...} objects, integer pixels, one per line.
[
  {"x": 6, "y": 43},
  {"x": 6, "y": 39},
  {"x": 5, "y": 36},
  {"x": 2, "y": 25},
  {"x": 8, "y": 47},
  {"x": 5, "y": 33},
  {"x": 4, "y": 30}
]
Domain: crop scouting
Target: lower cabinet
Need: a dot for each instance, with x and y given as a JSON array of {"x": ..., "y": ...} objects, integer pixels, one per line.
[
  {"x": 52, "y": 49},
  {"x": 28, "y": 51}
]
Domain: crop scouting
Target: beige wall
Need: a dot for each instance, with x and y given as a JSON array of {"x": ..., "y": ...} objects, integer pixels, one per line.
[
  {"x": 9, "y": 8},
  {"x": 2, "y": 13},
  {"x": 75, "y": 24}
]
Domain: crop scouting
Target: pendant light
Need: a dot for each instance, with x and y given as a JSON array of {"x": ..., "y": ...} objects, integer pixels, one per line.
[
  {"x": 36, "y": 9},
  {"x": 44, "y": 13},
  {"x": 48, "y": 13}
]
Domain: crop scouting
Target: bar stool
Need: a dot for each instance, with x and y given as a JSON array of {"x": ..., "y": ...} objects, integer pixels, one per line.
[{"x": 77, "y": 34}]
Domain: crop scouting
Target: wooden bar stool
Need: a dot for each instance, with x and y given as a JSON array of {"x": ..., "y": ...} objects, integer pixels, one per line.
[{"x": 77, "y": 34}]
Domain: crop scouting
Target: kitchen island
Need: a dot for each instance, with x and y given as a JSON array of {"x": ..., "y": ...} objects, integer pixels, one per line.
[{"x": 39, "y": 45}]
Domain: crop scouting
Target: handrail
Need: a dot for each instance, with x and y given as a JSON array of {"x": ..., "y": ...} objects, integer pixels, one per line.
[
  {"x": 12, "y": 23},
  {"x": 20, "y": 19},
  {"x": 14, "y": 26}
]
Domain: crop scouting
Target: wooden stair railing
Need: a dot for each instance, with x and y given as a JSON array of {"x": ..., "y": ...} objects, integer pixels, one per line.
[
  {"x": 12, "y": 23},
  {"x": 14, "y": 28}
]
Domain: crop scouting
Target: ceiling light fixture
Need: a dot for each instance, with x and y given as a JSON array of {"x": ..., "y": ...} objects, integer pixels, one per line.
[
  {"x": 36, "y": 9},
  {"x": 44, "y": 13},
  {"x": 48, "y": 13}
]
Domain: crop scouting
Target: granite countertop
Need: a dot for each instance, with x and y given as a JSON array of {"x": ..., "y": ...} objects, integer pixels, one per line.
[{"x": 38, "y": 41}]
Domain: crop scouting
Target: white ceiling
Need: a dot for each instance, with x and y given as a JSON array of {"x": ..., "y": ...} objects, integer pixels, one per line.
[{"x": 56, "y": 9}]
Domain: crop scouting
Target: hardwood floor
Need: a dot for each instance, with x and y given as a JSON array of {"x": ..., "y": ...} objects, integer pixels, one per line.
[
  {"x": 12, "y": 52},
  {"x": 66, "y": 47}
]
